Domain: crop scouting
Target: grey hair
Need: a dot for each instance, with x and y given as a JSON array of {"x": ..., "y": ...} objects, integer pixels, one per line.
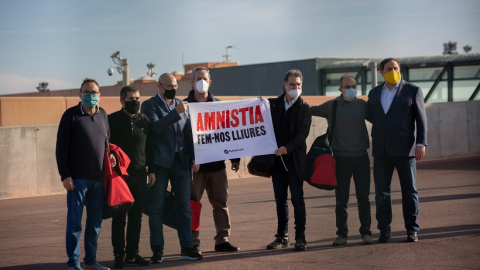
[{"x": 200, "y": 68}]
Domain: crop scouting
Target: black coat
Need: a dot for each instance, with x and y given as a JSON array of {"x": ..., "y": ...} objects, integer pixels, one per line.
[{"x": 299, "y": 129}]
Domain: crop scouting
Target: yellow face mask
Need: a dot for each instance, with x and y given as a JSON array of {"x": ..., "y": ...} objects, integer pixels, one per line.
[{"x": 392, "y": 77}]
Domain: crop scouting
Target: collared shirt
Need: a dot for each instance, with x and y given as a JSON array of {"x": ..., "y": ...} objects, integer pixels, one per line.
[
  {"x": 288, "y": 105},
  {"x": 81, "y": 108},
  {"x": 169, "y": 106},
  {"x": 387, "y": 96}
]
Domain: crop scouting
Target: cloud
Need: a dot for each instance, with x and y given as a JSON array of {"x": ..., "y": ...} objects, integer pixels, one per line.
[{"x": 16, "y": 83}]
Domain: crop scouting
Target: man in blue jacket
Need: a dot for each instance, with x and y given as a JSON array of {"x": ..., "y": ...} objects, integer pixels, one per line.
[
  {"x": 172, "y": 157},
  {"x": 399, "y": 136}
]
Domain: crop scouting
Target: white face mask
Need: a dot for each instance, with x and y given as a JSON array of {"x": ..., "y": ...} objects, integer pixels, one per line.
[
  {"x": 294, "y": 93},
  {"x": 202, "y": 86}
]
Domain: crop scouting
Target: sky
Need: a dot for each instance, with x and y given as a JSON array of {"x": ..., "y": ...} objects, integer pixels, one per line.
[{"x": 63, "y": 42}]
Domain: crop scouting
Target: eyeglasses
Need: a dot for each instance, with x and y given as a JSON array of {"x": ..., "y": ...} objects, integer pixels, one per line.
[
  {"x": 90, "y": 92},
  {"x": 350, "y": 86}
]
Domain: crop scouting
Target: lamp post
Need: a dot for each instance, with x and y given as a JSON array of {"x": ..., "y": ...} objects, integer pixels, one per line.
[
  {"x": 151, "y": 72},
  {"x": 122, "y": 67},
  {"x": 42, "y": 86}
]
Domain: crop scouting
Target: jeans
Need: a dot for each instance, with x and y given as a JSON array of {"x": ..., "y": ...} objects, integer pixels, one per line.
[
  {"x": 359, "y": 167},
  {"x": 87, "y": 193},
  {"x": 216, "y": 184},
  {"x": 136, "y": 184},
  {"x": 281, "y": 180},
  {"x": 180, "y": 182},
  {"x": 407, "y": 172}
]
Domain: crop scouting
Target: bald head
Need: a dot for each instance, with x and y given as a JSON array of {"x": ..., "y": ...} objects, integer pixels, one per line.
[
  {"x": 167, "y": 78},
  {"x": 167, "y": 82}
]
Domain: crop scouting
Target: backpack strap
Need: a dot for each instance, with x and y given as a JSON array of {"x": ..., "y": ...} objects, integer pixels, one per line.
[
  {"x": 107, "y": 138},
  {"x": 334, "y": 118}
]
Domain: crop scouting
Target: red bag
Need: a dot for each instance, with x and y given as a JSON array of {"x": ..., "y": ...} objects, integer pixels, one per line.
[
  {"x": 323, "y": 176},
  {"x": 195, "y": 209},
  {"x": 118, "y": 198}
]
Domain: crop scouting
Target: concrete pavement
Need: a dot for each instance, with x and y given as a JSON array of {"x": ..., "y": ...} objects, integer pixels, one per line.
[{"x": 33, "y": 229}]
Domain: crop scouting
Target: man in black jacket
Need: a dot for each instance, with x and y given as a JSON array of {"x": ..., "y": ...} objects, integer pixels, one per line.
[
  {"x": 128, "y": 130},
  {"x": 211, "y": 176},
  {"x": 291, "y": 122}
]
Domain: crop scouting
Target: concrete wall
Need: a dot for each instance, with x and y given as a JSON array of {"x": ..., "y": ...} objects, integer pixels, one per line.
[
  {"x": 28, "y": 165},
  {"x": 27, "y": 162},
  {"x": 27, "y": 111}
]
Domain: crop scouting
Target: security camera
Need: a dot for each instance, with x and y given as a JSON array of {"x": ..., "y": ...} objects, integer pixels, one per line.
[{"x": 110, "y": 71}]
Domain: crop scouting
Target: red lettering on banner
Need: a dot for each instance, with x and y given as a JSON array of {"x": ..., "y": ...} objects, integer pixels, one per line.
[
  {"x": 244, "y": 117},
  {"x": 209, "y": 119},
  {"x": 233, "y": 115},
  {"x": 220, "y": 119},
  {"x": 258, "y": 114},
  {"x": 199, "y": 122},
  {"x": 229, "y": 118}
]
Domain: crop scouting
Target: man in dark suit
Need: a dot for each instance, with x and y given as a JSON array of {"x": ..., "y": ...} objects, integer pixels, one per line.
[
  {"x": 172, "y": 157},
  {"x": 399, "y": 136}
]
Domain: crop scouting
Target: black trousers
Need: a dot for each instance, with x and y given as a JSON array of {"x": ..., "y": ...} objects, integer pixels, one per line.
[{"x": 136, "y": 183}]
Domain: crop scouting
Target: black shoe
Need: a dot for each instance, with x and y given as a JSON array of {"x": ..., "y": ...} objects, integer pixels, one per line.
[
  {"x": 196, "y": 248},
  {"x": 226, "y": 247},
  {"x": 384, "y": 237},
  {"x": 190, "y": 254},
  {"x": 300, "y": 244},
  {"x": 136, "y": 260},
  {"x": 119, "y": 263},
  {"x": 279, "y": 242},
  {"x": 412, "y": 236},
  {"x": 157, "y": 257}
]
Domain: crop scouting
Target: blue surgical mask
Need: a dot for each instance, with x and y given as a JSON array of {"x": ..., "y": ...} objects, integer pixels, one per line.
[
  {"x": 350, "y": 93},
  {"x": 90, "y": 100}
]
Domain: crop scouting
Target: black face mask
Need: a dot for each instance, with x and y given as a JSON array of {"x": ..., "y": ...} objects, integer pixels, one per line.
[
  {"x": 132, "y": 106},
  {"x": 170, "y": 94}
]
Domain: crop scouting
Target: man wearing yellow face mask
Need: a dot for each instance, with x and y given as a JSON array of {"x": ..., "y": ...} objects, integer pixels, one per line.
[{"x": 399, "y": 136}]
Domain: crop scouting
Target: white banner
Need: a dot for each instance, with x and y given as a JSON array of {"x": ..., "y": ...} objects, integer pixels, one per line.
[{"x": 231, "y": 129}]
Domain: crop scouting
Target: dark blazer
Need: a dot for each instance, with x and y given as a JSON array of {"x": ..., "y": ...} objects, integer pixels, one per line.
[
  {"x": 394, "y": 131},
  {"x": 299, "y": 129},
  {"x": 164, "y": 132}
]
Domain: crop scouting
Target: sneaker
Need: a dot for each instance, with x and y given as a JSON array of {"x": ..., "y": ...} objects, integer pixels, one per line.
[
  {"x": 118, "y": 263},
  {"x": 226, "y": 247},
  {"x": 339, "y": 241},
  {"x": 157, "y": 257},
  {"x": 76, "y": 267},
  {"x": 279, "y": 242},
  {"x": 136, "y": 260},
  {"x": 190, "y": 254},
  {"x": 412, "y": 236},
  {"x": 300, "y": 244},
  {"x": 196, "y": 248},
  {"x": 384, "y": 237},
  {"x": 367, "y": 239},
  {"x": 96, "y": 266}
]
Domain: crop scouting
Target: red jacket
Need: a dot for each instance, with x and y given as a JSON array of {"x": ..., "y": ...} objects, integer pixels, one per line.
[{"x": 115, "y": 187}]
